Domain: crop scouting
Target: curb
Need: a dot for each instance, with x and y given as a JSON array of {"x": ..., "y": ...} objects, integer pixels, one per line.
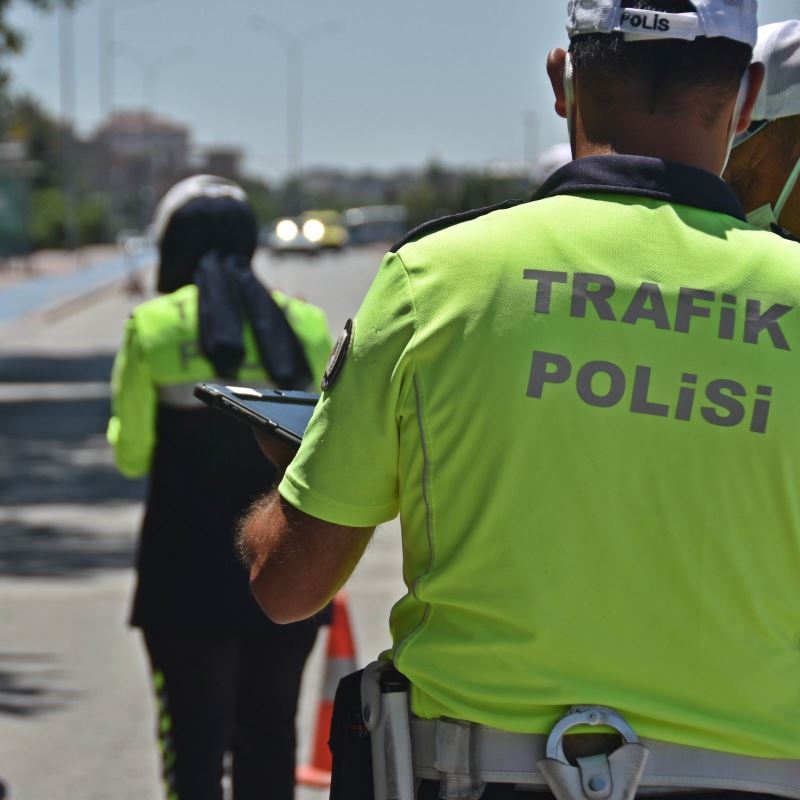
[{"x": 72, "y": 304}]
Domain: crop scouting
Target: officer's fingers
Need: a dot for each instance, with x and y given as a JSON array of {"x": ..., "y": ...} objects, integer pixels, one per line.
[{"x": 277, "y": 452}]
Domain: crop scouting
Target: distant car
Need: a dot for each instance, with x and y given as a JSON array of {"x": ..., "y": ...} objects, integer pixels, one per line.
[
  {"x": 132, "y": 242},
  {"x": 371, "y": 224},
  {"x": 309, "y": 233}
]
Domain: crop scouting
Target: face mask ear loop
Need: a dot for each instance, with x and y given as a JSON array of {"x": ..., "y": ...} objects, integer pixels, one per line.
[
  {"x": 569, "y": 96},
  {"x": 787, "y": 190},
  {"x": 744, "y": 87}
]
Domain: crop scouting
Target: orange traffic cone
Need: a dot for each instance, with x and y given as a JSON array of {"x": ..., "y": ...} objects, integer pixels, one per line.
[{"x": 340, "y": 660}]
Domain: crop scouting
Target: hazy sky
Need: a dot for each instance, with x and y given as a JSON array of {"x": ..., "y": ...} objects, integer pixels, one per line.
[{"x": 397, "y": 84}]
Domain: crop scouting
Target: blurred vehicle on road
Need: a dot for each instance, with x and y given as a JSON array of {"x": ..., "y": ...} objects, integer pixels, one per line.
[
  {"x": 370, "y": 224},
  {"x": 310, "y": 233},
  {"x": 132, "y": 242}
]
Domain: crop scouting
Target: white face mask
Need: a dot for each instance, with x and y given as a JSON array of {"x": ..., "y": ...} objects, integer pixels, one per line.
[
  {"x": 569, "y": 95},
  {"x": 744, "y": 87},
  {"x": 766, "y": 216}
]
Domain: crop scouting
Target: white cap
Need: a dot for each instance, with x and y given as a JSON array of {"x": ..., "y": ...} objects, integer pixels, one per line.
[
  {"x": 778, "y": 49},
  {"x": 190, "y": 189},
  {"x": 731, "y": 19}
]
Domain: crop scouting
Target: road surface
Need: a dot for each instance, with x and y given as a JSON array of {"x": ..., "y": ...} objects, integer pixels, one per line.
[{"x": 76, "y": 714}]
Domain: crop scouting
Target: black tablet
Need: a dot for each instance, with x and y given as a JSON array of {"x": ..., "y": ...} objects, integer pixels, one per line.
[{"x": 281, "y": 414}]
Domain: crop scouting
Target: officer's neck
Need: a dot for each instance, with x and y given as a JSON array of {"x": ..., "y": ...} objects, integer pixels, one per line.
[{"x": 682, "y": 139}]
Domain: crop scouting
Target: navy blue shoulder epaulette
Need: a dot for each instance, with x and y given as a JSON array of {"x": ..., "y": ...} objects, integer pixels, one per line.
[{"x": 435, "y": 225}]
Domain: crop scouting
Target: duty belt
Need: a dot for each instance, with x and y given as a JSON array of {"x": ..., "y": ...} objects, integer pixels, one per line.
[
  {"x": 464, "y": 757},
  {"x": 472, "y": 755}
]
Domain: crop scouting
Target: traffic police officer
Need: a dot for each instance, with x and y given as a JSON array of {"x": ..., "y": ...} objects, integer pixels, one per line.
[
  {"x": 227, "y": 678},
  {"x": 765, "y": 164},
  {"x": 584, "y": 410}
]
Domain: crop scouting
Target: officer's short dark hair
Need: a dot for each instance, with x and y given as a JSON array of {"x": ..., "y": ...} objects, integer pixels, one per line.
[{"x": 658, "y": 71}]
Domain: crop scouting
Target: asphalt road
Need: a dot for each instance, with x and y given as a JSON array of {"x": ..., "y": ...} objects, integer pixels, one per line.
[{"x": 76, "y": 713}]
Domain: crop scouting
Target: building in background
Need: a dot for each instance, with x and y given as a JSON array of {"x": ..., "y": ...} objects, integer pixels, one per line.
[
  {"x": 223, "y": 161},
  {"x": 133, "y": 158},
  {"x": 119, "y": 173},
  {"x": 343, "y": 188}
]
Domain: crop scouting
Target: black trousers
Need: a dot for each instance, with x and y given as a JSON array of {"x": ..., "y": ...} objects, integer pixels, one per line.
[{"x": 234, "y": 694}]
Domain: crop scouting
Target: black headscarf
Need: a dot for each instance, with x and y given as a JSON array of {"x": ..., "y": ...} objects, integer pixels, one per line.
[
  {"x": 201, "y": 225},
  {"x": 210, "y": 240}
]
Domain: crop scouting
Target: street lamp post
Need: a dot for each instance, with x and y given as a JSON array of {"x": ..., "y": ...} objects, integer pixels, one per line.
[
  {"x": 107, "y": 50},
  {"x": 66, "y": 41},
  {"x": 151, "y": 68},
  {"x": 294, "y": 46},
  {"x": 294, "y": 106}
]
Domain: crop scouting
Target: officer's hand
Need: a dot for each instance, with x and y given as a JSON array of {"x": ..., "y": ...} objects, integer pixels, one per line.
[{"x": 278, "y": 453}]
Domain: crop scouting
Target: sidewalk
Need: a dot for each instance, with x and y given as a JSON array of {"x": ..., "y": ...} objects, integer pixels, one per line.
[
  {"x": 53, "y": 278},
  {"x": 50, "y": 262}
]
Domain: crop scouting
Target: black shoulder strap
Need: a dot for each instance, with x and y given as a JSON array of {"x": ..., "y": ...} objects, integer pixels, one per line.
[
  {"x": 784, "y": 234},
  {"x": 435, "y": 225}
]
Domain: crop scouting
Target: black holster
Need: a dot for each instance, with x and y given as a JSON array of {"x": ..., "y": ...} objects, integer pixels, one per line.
[{"x": 349, "y": 742}]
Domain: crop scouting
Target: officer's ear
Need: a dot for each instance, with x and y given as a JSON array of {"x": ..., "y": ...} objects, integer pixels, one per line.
[
  {"x": 756, "y": 79},
  {"x": 556, "y": 64}
]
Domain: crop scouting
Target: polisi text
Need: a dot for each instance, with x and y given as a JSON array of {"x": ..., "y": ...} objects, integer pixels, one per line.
[
  {"x": 603, "y": 384},
  {"x": 644, "y": 21}
]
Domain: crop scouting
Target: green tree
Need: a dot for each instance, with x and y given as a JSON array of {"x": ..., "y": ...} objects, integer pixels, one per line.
[
  {"x": 431, "y": 195},
  {"x": 264, "y": 201},
  {"x": 24, "y": 120},
  {"x": 27, "y": 121},
  {"x": 12, "y": 40},
  {"x": 47, "y": 218},
  {"x": 93, "y": 220}
]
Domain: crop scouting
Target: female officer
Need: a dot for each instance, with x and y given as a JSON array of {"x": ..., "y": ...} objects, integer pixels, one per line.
[{"x": 227, "y": 679}]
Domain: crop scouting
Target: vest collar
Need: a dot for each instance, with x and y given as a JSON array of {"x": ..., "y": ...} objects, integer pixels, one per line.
[{"x": 641, "y": 176}]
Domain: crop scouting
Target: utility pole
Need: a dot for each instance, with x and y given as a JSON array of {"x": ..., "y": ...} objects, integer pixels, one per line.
[{"x": 66, "y": 30}]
